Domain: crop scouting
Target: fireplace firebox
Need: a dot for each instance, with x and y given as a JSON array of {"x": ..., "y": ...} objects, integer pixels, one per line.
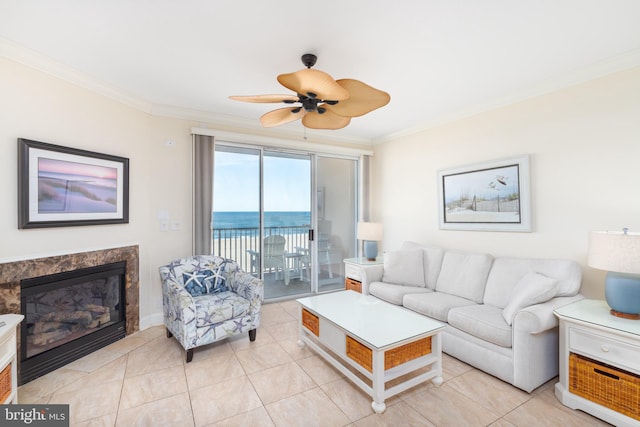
[{"x": 69, "y": 315}]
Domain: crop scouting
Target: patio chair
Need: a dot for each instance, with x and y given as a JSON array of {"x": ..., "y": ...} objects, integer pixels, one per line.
[{"x": 275, "y": 256}]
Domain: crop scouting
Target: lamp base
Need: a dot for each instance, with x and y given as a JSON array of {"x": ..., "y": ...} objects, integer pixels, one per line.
[
  {"x": 622, "y": 292},
  {"x": 370, "y": 250},
  {"x": 624, "y": 315}
]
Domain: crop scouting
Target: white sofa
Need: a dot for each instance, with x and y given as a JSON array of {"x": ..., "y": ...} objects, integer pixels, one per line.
[{"x": 499, "y": 311}]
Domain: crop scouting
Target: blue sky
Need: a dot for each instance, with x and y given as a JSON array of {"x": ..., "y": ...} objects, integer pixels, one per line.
[{"x": 287, "y": 183}]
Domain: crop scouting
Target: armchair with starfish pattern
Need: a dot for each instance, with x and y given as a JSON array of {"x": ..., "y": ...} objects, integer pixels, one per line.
[{"x": 207, "y": 298}]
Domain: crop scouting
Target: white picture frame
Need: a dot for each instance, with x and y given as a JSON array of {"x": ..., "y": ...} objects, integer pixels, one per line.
[{"x": 488, "y": 196}]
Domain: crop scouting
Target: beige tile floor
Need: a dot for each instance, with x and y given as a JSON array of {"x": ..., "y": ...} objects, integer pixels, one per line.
[{"x": 143, "y": 380}]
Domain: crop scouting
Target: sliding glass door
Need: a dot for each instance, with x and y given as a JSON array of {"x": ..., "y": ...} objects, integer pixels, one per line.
[
  {"x": 264, "y": 216},
  {"x": 336, "y": 213},
  {"x": 287, "y": 221},
  {"x": 236, "y": 219}
]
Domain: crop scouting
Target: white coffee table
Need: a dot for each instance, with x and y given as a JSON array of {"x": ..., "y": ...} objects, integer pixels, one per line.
[{"x": 381, "y": 341}]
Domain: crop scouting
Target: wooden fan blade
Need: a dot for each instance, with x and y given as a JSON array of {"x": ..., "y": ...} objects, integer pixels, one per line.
[
  {"x": 266, "y": 98},
  {"x": 362, "y": 100},
  {"x": 314, "y": 81},
  {"x": 281, "y": 116},
  {"x": 327, "y": 120}
]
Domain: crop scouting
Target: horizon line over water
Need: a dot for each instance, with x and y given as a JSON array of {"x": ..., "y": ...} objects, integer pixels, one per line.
[{"x": 251, "y": 219}]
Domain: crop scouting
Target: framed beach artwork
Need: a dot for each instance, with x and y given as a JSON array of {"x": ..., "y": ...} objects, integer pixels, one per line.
[
  {"x": 488, "y": 196},
  {"x": 61, "y": 186}
]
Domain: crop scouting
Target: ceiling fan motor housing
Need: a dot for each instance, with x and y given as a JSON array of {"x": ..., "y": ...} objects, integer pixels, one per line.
[{"x": 309, "y": 60}]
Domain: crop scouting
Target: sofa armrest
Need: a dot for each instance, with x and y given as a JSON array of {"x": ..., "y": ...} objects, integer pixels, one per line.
[
  {"x": 370, "y": 274},
  {"x": 539, "y": 317}
]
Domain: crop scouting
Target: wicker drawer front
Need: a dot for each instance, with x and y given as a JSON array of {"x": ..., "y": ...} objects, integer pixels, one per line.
[
  {"x": 5, "y": 383},
  {"x": 311, "y": 322},
  {"x": 360, "y": 353},
  {"x": 608, "y": 350},
  {"x": 397, "y": 356},
  {"x": 604, "y": 385},
  {"x": 405, "y": 353},
  {"x": 353, "y": 285}
]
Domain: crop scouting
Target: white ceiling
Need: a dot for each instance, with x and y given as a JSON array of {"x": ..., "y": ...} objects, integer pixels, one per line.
[{"x": 438, "y": 59}]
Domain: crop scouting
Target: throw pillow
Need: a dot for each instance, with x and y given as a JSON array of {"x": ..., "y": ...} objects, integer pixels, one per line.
[
  {"x": 404, "y": 267},
  {"x": 216, "y": 282},
  {"x": 533, "y": 288},
  {"x": 195, "y": 282}
]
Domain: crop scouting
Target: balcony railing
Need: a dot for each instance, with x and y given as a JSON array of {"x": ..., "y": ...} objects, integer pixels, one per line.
[{"x": 238, "y": 243}]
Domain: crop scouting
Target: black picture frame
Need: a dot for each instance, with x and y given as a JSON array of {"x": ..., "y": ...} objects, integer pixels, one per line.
[{"x": 63, "y": 187}]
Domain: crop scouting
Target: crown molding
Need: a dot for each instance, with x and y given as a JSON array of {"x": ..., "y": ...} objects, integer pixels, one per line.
[
  {"x": 575, "y": 77},
  {"x": 43, "y": 63},
  {"x": 25, "y": 56},
  {"x": 293, "y": 131},
  {"x": 32, "y": 59},
  {"x": 270, "y": 140}
]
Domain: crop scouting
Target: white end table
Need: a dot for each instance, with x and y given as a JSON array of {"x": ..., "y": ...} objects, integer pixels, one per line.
[
  {"x": 8, "y": 363},
  {"x": 598, "y": 353},
  {"x": 353, "y": 275}
]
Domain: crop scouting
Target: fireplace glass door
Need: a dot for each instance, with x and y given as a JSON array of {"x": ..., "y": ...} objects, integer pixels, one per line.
[{"x": 66, "y": 312}]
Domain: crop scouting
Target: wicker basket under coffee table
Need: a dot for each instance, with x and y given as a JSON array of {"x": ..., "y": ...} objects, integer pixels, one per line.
[{"x": 380, "y": 341}]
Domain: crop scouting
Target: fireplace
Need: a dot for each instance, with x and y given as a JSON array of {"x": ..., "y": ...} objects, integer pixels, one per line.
[
  {"x": 13, "y": 273},
  {"x": 69, "y": 315}
]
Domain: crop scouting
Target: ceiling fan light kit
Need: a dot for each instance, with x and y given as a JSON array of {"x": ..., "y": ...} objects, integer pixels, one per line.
[{"x": 325, "y": 103}]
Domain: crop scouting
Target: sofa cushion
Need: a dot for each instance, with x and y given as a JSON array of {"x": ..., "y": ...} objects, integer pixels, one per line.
[
  {"x": 216, "y": 308},
  {"x": 482, "y": 321},
  {"x": 434, "y": 304},
  {"x": 507, "y": 272},
  {"x": 464, "y": 274},
  {"x": 394, "y": 293},
  {"x": 403, "y": 267},
  {"x": 432, "y": 261},
  {"x": 533, "y": 288}
]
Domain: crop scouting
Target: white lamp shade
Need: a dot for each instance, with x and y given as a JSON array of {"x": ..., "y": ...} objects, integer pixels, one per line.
[
  {"x": 614, "y": 251},
  {"x": 370, "y": 231}
]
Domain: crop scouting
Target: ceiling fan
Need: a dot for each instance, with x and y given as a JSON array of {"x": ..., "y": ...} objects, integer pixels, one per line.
[{"x": 325, "y": 103}]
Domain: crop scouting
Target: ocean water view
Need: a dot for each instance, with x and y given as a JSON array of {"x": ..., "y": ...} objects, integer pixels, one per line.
[
  {"x": 236, "y": 234},
  {"x": 236, "y": 220}
]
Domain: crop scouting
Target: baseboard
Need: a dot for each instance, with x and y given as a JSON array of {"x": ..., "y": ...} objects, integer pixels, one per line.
[{"x": 155, "y": 319}]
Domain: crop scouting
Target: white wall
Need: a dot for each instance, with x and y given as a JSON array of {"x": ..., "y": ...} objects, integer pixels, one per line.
[
  {"x": 37, "y": 106},
  {"x": 584, "y": 144}
]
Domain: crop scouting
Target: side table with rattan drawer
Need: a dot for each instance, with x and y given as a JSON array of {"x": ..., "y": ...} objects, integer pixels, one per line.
[
  {"x": 354, "y": 279},
  {"x": 8, "y": 358},
  {"x": 599, "y": 362}
]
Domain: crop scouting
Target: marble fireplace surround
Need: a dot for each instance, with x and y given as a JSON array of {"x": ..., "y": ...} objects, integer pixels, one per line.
[{"x": 11, "y": 273}]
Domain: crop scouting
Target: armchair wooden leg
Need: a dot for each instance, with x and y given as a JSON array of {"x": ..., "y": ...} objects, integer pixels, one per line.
[
  {"x": 169, "y": 334},
  {"x": 252, "y": 335},
  {"x": 189, "y": 355}
]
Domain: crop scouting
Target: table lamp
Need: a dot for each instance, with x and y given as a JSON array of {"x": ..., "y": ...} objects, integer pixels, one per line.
[
  {"x": 619, "y": 254},
  {"x": 370, "y": 232}
]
